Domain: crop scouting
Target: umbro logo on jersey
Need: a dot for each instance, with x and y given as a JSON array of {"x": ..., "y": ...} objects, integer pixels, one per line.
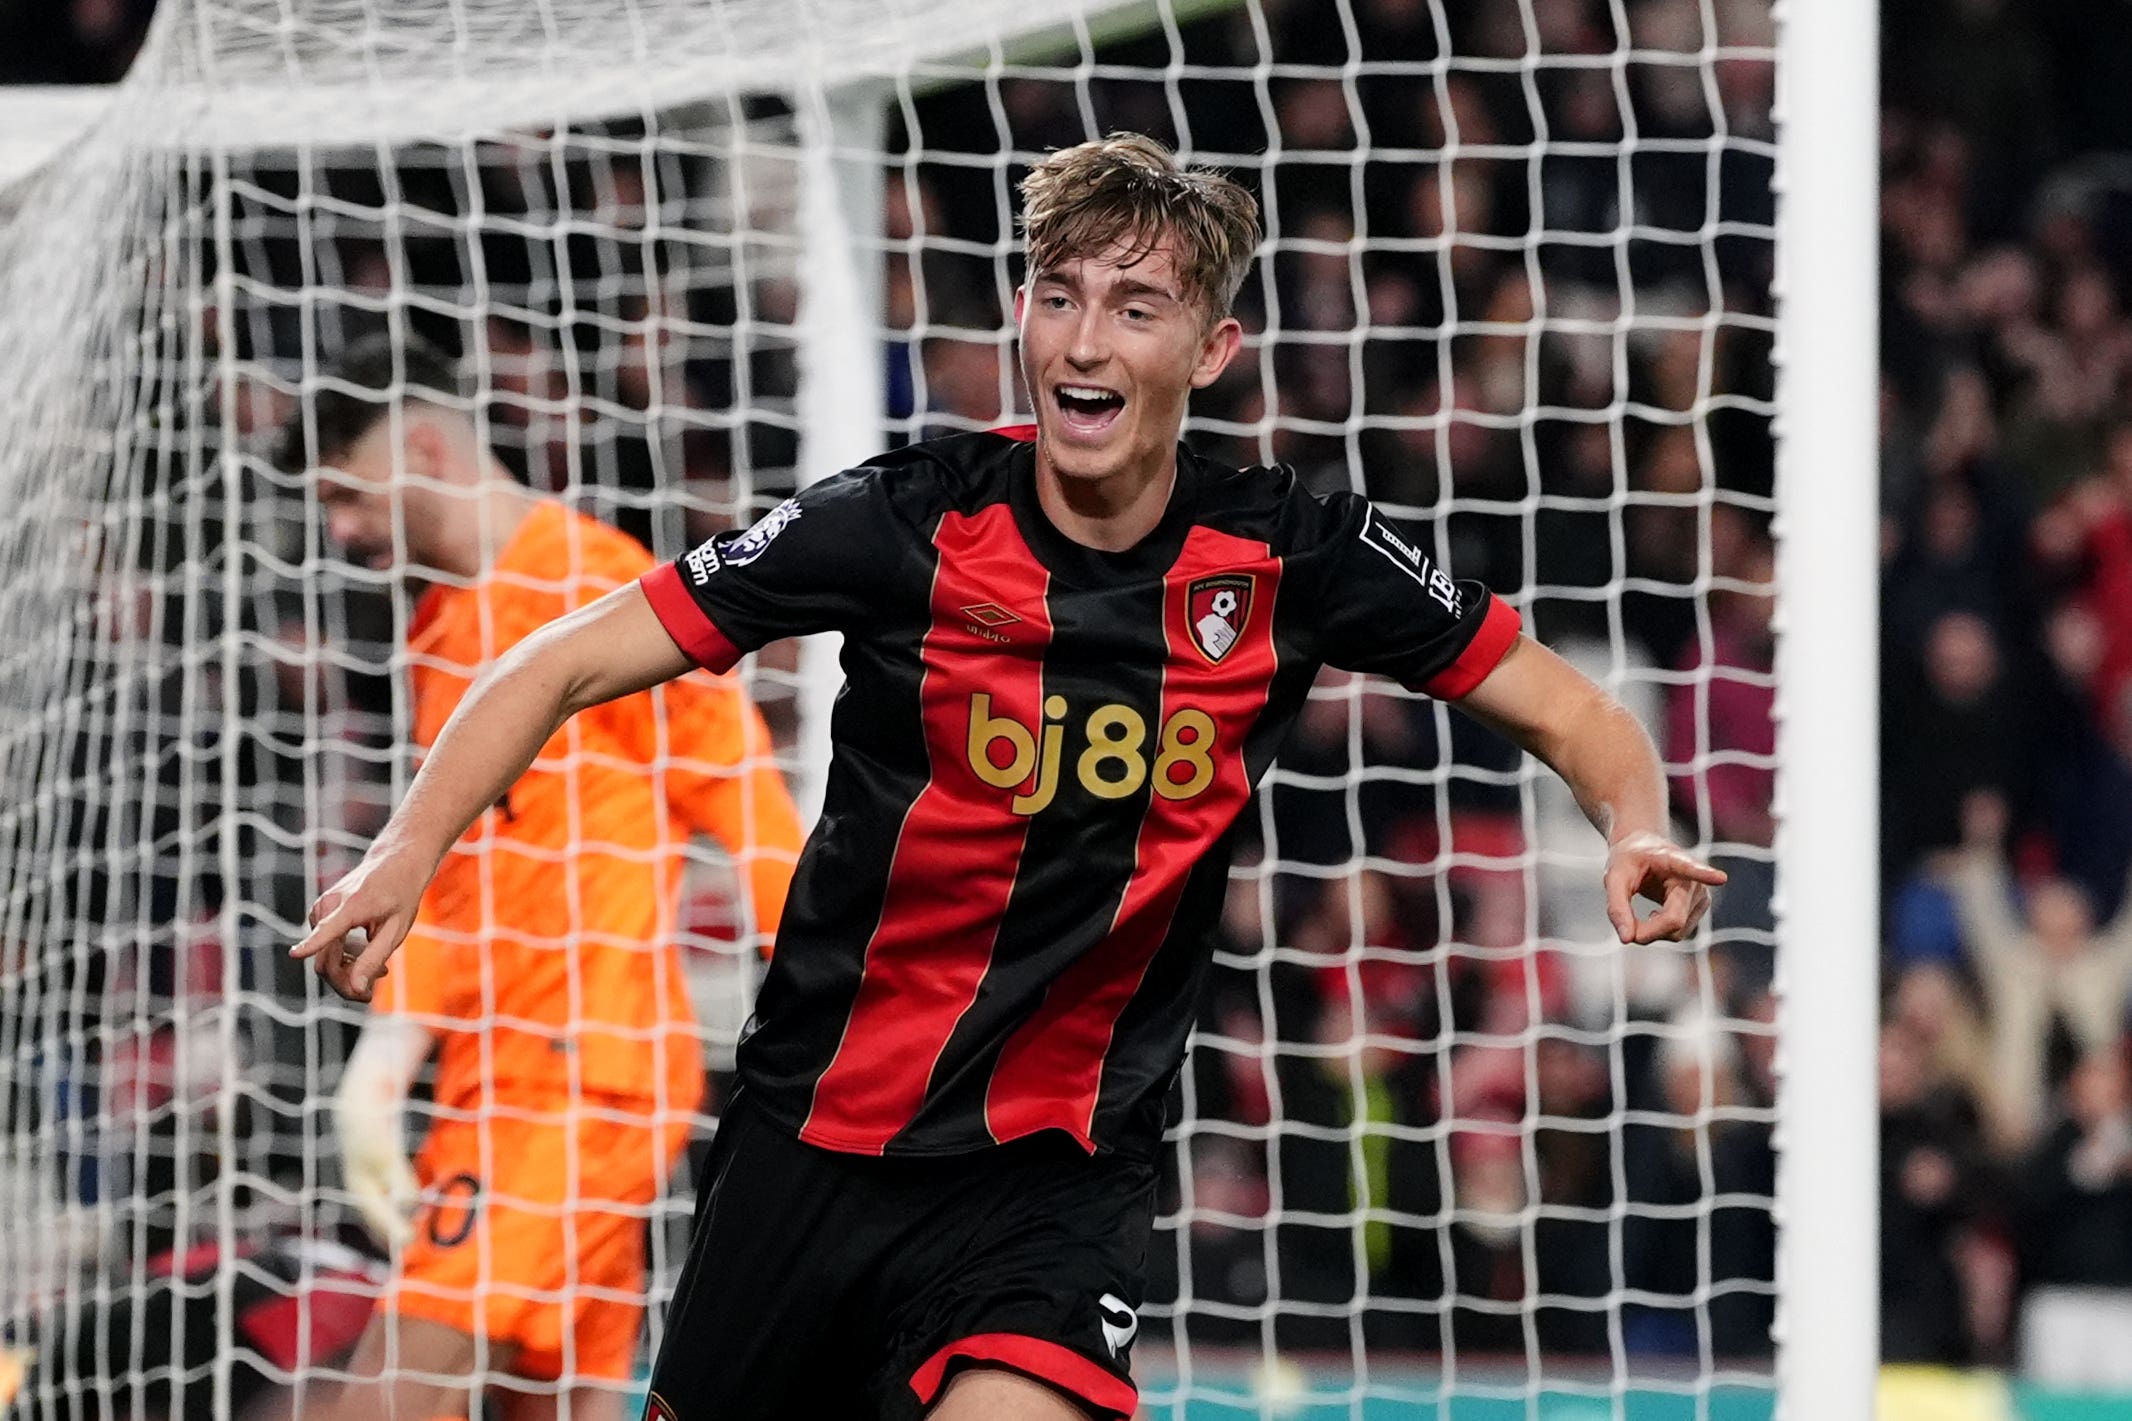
[
  {"x": 1120, "y": 1322},
  {"x": 1216, "y": 609},
  {"x": 985, "y": 620}
]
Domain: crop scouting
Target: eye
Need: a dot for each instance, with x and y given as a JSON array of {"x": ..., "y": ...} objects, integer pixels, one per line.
[
  {"x": 1139, "y": 314},
  {"x": 1053, "y": 302}
]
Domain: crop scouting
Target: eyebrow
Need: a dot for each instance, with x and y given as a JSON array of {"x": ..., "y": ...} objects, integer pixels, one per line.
[
  {"x": 1129, "y": 287},
  {"x": 1125, "y": 286}
]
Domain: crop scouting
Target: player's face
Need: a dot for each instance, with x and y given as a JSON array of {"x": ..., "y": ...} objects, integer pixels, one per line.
[
  {"x": 357, "y": 494},
  {"x": 1110, "y": 354}
]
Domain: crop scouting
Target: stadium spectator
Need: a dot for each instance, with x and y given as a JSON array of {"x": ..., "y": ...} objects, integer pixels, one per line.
[
  {"x": 1955, "y": 722},
  {"x": 1936, "y": 1006},
  {"x": 2055, "y": 985},
  {"x": 1932, "y": 1166},
  {"x": 2079, "y": 1182},
  {"x": 2103, "y": 511},
  {"x": 2076, "y": 1256}
]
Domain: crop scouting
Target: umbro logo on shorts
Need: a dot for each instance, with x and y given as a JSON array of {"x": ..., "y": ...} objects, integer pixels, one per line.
[{"x": 1119, "y": 1322}]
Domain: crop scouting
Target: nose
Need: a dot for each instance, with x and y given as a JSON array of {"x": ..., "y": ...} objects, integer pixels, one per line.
[
  {"x": 1089, "y": 348},
  {"x": 341, "y": 526}
]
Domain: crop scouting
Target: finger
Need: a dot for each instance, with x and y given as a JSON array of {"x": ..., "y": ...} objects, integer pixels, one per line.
[
  {"x": 1659, "y": 925},
  {"x": 1698, "y": 905},
  {"x": 404, "y": 1189},
  {"x": 335, "y": 967},
  {"x": 1681, "y": 866},
  {"x": 348, "y": 984},
  {"x": 370, "y": 964},
  {"x": 1619, "y": 911},
  {"x": 332, "y": 968},
  {"x": 322, "y": 965},
  {"x": 1671, "y": 920},
  {"x": 336, "y": 925},
  {"x": 327, "y": 902}
]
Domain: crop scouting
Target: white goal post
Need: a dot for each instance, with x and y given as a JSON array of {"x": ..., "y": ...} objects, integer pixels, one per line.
[
  {"x": 1547, "y": 277},
  {"x": 1828, "y": 671}
]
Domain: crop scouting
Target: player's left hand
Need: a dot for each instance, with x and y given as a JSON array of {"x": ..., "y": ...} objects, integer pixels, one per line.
[
  {"x": 1649, "y": 866},
  {"x": 380, "y": 1183},
  {"x": 358, "y": 922}
]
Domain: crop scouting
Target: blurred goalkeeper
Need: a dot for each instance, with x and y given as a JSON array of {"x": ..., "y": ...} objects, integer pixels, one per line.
[
  {"x": 539, "y": 965},
  {"x": 1071, "y": 649}
]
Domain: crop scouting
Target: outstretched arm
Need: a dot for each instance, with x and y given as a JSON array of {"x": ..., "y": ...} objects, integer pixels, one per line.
[
  {"x": 1547, "y": 707},
  {"x": 611, "y": 648},
  {"x": 1983, "y": 891}
]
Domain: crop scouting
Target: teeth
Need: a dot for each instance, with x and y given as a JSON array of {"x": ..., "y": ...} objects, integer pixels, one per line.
[{"x": 1085, "y": 392}]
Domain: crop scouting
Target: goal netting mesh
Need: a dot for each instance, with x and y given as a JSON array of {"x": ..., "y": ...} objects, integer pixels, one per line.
[{"x": 1442, "y": 1143}]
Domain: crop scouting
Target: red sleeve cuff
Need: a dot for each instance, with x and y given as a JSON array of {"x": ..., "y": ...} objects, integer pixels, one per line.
[
  {"x": 1499, "y": 629},
  {"x": 692, "y": 631},
  {"x": 1049, "y": 1362}
]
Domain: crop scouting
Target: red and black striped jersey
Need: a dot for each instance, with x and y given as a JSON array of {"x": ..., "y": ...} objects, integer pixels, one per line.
[{"x": 1001, "y": 922}]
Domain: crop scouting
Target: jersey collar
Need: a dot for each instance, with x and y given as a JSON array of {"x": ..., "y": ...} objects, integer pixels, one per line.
[
  {"x": 522, "y": 555},
  {"x": 1081, "y": 566}
]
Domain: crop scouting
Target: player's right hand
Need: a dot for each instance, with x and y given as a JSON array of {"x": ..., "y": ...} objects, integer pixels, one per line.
[{"x": 359, "y": 922}]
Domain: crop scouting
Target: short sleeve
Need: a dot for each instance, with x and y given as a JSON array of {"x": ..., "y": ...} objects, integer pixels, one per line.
[
  {"x": 820, "y": 561},
  {"x": 1385, "y": 606}
]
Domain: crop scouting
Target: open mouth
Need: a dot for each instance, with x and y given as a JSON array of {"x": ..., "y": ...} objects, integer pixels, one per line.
[
  {"x": 371, "y": 555},
  {"x": 1088, "y": 409}
]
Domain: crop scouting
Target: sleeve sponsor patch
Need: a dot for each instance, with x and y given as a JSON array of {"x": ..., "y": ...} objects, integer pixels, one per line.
[
  {"x": 738, "y": 550},
  {"x": 1412, "y": 561}
]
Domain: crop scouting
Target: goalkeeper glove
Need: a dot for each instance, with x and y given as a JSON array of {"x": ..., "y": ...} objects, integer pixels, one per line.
[{"x": 367, "y": 1111}]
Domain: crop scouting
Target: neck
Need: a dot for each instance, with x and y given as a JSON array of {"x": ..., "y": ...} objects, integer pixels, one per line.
[
  {"x": 1109, "y": 514},
  {"x": 492, "y": 511}
]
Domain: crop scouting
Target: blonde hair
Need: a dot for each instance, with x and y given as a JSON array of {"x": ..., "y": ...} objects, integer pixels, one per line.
[{"x": 1129, "y": 191}]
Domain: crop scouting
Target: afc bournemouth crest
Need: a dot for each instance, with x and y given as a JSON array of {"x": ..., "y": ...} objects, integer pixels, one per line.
[{"x": 1216, "y": 611}]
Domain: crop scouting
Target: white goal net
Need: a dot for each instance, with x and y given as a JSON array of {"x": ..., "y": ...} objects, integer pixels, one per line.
[{"x": 1443, "y": 1148}]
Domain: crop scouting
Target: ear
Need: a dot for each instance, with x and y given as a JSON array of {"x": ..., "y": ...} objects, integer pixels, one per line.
[
  {"x": 1021, "y": 303},
  {"x": 438, "y": 448},
  {"x": 423, "y": 448},
  {"x": 1217, "y": 350}
]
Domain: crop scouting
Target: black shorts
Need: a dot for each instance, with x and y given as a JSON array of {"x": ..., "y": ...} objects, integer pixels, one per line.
[{"x": 839, "y": 1287}]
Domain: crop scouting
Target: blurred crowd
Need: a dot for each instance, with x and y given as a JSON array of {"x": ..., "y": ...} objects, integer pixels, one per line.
[
  {"x": 1432, "y": 1107},
  {"x": 2006, "y": 224}
]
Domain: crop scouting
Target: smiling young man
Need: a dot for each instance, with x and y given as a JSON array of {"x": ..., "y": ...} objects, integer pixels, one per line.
[{"x": 1071, "y": 650}]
